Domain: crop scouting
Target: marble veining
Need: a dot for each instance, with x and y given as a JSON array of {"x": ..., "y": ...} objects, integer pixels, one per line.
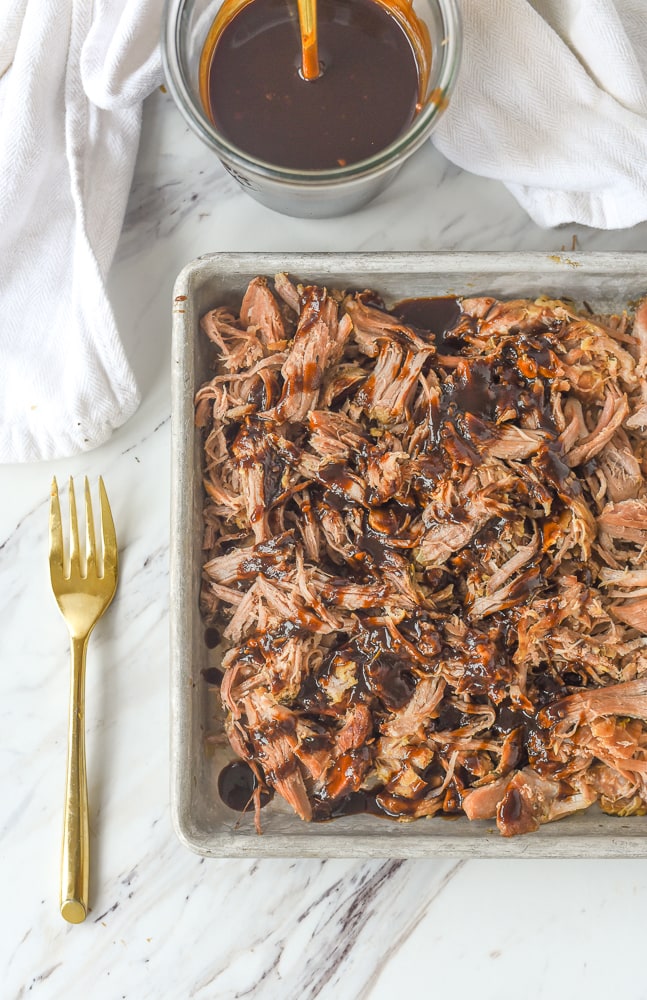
[{"x": 163, "y": 922}]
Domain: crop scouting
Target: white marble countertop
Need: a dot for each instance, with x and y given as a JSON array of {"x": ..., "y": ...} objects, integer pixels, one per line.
[{"x": 163, "y": 922}]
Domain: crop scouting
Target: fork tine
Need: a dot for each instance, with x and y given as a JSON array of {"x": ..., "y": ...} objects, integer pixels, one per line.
[
  {"x": 90, "y": 543},
  {"x": 55, "y": 530},
  {"x": 108, "y": 533},
  {"x": 75, "y": 548}
]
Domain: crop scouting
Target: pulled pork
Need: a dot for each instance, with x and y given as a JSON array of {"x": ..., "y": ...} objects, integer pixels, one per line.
[{"x": 426, "y": 552}]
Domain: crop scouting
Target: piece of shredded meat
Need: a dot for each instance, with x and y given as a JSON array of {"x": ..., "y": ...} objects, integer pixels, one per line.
[{"x": 426, "y": 552}]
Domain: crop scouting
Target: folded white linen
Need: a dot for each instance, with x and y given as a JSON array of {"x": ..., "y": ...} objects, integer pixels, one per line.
[
  {"x": 74, "y": 75},
  {"x": 552, "y": 100}
]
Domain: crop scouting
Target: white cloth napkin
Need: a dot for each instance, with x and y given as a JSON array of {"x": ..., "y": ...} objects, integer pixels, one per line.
[
  {"x": 552, "y": 100},
  {"x": 73, "y": 75}
]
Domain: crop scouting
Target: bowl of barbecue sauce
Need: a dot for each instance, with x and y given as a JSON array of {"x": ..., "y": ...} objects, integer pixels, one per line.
[{"x": 312, "y": 147}]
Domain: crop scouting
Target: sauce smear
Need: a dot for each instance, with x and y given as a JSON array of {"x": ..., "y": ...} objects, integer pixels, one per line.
[{"x": 365, "y": 97}]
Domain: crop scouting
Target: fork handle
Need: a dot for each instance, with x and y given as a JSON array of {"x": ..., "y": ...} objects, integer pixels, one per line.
[{"x": 75, "y": 860}]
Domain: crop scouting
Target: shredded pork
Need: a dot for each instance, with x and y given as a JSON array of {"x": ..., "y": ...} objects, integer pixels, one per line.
[{"x": 426, "y": 552}]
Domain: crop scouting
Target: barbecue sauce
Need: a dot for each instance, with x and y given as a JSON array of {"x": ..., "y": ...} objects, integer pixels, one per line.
[
  {"x": 374, "y": 57},
  {"x": 213, "y": 676},
  {"x": 438, "y": 314},
  {"x": 236, "y": 785},
  {"x": 211, "y": 637}
]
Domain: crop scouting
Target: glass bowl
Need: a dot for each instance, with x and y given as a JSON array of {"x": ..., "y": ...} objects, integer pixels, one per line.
[{"x": 307, "y": 193}]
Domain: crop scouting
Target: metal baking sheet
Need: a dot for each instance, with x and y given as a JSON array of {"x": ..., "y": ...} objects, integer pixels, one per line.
[{"x": 199, "y": 750}]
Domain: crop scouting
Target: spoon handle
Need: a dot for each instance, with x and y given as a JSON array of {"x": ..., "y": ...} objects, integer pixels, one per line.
[{"x": 309, "y": 42}]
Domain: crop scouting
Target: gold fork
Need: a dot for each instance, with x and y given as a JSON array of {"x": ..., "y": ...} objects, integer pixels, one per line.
[{"x": 82, "y": 599}]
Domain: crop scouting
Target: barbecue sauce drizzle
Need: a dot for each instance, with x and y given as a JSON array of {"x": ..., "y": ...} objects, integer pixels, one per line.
[{"x": 482, "y": 391}]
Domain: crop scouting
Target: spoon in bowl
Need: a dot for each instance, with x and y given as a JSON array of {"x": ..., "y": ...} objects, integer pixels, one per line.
[{"x": 310, "y": 68}]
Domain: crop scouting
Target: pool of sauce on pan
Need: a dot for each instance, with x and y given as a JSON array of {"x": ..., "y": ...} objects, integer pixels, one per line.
[
  {"x": 212, "y": 675},
  {"x": 437, "y": 314},
  {"x": 365, "y": 97},
  {"x": 236, "y": 785}
]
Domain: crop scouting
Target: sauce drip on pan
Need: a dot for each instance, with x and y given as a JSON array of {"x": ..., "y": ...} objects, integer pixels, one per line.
[
  {"x": 236, "y": 785},
  {"x": 213, "y": 676},
  {"x": 211, "y": 637},
  {"x": 438, "y": 314}
]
